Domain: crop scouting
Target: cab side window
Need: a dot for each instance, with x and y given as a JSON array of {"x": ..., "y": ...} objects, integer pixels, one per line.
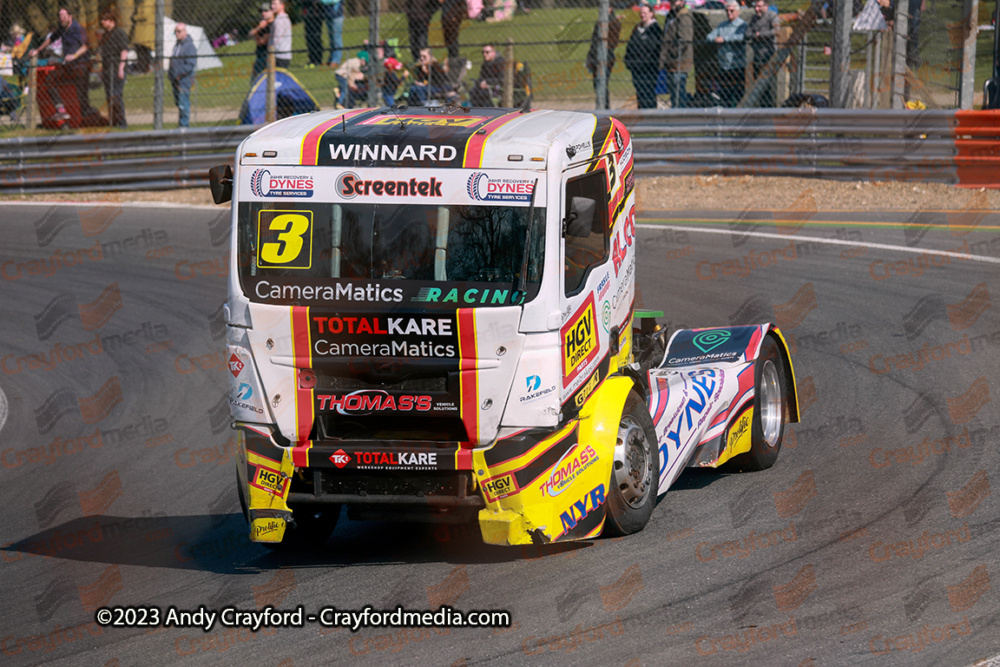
[{"x": 585, "y": 227}]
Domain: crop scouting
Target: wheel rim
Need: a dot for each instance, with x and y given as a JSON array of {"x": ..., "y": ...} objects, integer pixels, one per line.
[
  {"x": 770, "y": 404},
  {"x": 632, "y": 474}
]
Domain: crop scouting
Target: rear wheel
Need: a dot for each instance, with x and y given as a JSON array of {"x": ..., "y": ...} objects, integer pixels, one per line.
[
  {"x": 768, "y": 426},
  {"x": 635, "y": 470}
]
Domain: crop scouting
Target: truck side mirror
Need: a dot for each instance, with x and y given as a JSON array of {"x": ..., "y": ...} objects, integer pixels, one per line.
[
  {"x": 581, "y": 217},
  {"x": 220, "y": 180}
]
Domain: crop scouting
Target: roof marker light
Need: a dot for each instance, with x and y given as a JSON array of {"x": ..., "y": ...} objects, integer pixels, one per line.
[
  {"x": 270, "y": 153},
  {"x": 515, "y": 158}
]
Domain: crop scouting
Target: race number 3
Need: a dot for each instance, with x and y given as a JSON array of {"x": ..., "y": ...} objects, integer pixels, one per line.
[{"x": 284, "y": 239}]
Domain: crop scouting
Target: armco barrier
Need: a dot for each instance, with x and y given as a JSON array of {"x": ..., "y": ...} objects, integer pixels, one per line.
[{"x": 946, "y": 146}]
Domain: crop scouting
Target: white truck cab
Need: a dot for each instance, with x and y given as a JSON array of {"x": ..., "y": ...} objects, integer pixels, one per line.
[{"x": 430, "y": 317}]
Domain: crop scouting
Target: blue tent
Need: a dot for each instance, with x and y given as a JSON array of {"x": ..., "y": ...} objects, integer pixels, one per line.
[{"x": 292, "y": 98}]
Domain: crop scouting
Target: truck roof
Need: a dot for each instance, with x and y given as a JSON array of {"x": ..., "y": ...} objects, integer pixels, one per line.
[{"x": 430, "y": 137}]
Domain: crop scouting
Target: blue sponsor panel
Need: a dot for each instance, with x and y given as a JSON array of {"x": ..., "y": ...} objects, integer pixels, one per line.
[{"x": 689, "y": 347}]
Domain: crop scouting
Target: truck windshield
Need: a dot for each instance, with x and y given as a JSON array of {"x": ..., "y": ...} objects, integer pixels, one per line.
[{"x": 440, "y": 243}]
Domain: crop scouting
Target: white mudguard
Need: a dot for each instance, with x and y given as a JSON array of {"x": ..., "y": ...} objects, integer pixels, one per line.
[{"x": 701, "y": 396}]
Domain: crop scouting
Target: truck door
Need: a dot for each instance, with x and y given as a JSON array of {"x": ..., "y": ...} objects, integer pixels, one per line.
[{"x": 585, "y": 253}]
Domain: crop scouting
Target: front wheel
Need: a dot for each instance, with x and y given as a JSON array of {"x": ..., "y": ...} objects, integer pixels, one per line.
[
  {"x": 635, "y": 471},
  {"x": 768, "y": 426}
]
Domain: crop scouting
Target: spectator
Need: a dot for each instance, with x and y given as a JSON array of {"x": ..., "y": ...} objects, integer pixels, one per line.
[
  {"x": 335, "y": 29},
  {"x": 281, "y": 34},
  {"x": 418, "y": 18},
  {"x": 453, "y": 12},
  {"x": 17, "y": 43},
  {"x": 393, "y": 73},
  {"x": 75, "y": 68},
  {"x": 677, "y": 53},
  {"x": 614, "y": 32},
  {"x": 490, "y": 81},
  {"x": 114, "y": 56},
  {"x": 181, "y": 73},
  {"x": 731, "y": 54},
  {"x": 261, "y": 34},
  {"x": 641, "y": 57},
  {"x": 430, "y": 81},
  {"x": 351, "y": 86},
  {"x": 314, "y": 16},
  {"x": 762, "y": 31}
]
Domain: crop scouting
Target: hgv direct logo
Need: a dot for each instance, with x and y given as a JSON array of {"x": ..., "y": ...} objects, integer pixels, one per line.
[{"x": 263, "y": 184}]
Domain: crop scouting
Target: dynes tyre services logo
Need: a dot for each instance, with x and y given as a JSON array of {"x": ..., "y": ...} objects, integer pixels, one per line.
[
  {"x": 264, "y": 184},
  {"x": 483, "y": 188}
]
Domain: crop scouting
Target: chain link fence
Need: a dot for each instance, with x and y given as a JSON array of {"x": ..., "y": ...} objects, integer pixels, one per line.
[{"x": 543, "y": 53}]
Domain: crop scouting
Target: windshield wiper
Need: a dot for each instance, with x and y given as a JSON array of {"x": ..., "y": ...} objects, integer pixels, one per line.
[{"x": 522, "y": 281}]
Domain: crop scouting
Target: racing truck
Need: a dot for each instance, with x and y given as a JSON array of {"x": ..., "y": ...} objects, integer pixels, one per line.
[{"x": 431, "y": 317}]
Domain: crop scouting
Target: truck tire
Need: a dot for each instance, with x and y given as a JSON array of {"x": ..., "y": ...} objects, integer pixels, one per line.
[
  {"x": 243, "y": 498},
  {"x": 635, "y": 471},
  {"x": 768, "y": 425}
]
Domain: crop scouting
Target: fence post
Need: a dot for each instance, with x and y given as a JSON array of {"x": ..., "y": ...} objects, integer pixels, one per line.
[
  {"x": 374, "y": 62},
  {"x": 271, "y": 102},
  {"x": 902, "y": 32},
  {"x": 602, "y": 55},
  {"x": 840, "y": 64},
  {"x": 508, "y": 74},
  {"x": 970, "y": 31},
  {"x": 158, "y": 69},
  {"x": 31, "y": 113}
]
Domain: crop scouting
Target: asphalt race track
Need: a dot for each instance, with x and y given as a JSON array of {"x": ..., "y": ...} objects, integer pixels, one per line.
[{"x": 873, "y": 540}]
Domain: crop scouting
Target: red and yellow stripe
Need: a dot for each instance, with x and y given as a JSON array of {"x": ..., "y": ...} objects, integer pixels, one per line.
[
  {"x": 476, "y": 144},
  {"x": 305, "y": 403},
  {"x": 468, "y": 377},
  {"x": 310, "y": 142}
]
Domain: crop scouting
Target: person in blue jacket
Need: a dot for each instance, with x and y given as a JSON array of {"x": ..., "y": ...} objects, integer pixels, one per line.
[
  {"x": 181, "y": 73},
  {"x": 731, "y": 55}
]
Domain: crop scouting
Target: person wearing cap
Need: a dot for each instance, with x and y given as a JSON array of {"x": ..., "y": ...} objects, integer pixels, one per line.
[
  {"x": 261, "y": 34},
  {"x": 393, "y": 73},
  {"x": 350, "y": 80},
  {"x": 731, "y": 55}
]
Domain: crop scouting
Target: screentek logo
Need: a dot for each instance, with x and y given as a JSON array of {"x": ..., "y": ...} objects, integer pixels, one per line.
[
  {"x": 263, "y": 184},
  {"x": 350, "y": 185}
]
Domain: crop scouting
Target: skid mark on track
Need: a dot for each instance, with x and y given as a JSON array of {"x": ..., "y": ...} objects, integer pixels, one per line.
[
  {"x": 3, "y": 408},
  {"x": 852, "y": 244}
]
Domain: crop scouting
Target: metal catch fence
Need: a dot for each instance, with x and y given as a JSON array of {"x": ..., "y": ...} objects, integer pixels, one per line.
[{"x": 694, "y": 54}]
